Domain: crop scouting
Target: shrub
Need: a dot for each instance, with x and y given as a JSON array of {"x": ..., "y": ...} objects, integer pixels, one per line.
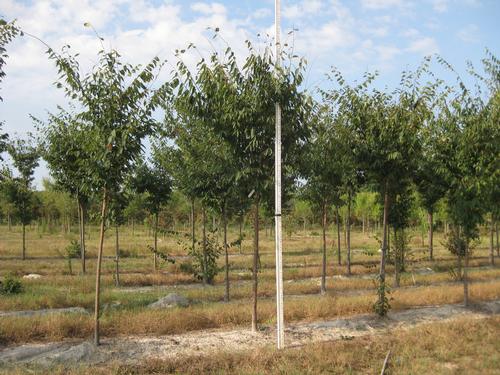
[
  {"x": 124, "y": 253},
  {"x": 11, "y": 285},
  {"x": 187, "y": 268},
  {"x": 73, "y": 250},
  {"x": 210, "y": 269}
]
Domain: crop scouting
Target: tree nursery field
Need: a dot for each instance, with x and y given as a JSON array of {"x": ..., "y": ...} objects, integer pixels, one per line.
[{"x": 216, "y": 213}]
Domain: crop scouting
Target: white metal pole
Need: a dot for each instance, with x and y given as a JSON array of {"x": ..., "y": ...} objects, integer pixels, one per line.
[{"x": 277, "y": 194}]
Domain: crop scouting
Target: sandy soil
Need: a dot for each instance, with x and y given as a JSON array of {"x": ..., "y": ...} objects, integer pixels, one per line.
[{"x": 133, "y": 349}]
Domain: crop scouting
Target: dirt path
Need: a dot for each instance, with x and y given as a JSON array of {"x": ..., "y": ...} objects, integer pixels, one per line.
[{"x": 133, "y": 349}]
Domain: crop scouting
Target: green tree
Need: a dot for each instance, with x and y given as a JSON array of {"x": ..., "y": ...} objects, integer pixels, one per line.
[
  {"x": 323, "y": 174},
  {"x": 302, "y": 211},
  {"x": 116, "y": 104},
  {"x": 155, "y": 183},
  {"x": 64, "y": 149},
  {"x": 117, "y": 204},
  {"x": 25, "y": 156},
  {"x": 245, "y": 99},
  {"x": 8, "y": 31}
]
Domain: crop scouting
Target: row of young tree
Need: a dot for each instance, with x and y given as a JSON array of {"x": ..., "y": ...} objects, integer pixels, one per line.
[{"x": 212, "y": 132}]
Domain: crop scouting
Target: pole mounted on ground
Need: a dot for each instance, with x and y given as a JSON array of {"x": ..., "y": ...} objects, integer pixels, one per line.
[{"x": 277, "y": 193}]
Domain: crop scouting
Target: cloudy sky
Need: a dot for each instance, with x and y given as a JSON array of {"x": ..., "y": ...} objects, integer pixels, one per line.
[{"x": 353, "y": 35}]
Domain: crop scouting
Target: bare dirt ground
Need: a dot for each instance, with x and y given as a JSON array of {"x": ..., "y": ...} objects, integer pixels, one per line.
[{"x": 133, "y": 349}]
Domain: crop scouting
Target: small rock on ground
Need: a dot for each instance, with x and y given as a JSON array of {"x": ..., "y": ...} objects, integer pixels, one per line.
[
  {"x": 32, "y": 276},
  {"x": 171, "y": 300}
]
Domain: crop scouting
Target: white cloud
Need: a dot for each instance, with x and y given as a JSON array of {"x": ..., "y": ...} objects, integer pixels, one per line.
[
  {"x": 469, "y": 34},
  {"x": 424, "y": 46},
  {"x": 381, "y": 4},
  {"x": 410, "y": 33},
  {"x": 440, "y": 6},
  {"x": 209, "y": 9},
  {"x": 377, "y": 31},
  {"x": 387, "y": 53},
  {"x": 262, "y": 13},
  {"x": 302, "y": 9}
]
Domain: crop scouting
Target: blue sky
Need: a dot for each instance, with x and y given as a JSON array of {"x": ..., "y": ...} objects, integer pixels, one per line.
[{"x": 355, "y": 36}]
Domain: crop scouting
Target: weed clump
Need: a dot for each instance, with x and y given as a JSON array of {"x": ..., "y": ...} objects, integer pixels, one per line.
[{"x": 11, "y": 285}]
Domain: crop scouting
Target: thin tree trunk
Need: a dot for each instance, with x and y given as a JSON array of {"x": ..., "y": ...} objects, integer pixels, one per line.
[
  {"x": 81, "y": 207},
  {"x": 193, "y": 238},
  {"x": 431, "y": 234},
  {"x": 241, "y": 232},
  {"x": 24, "y": 241},
  {"x": 9, "y": 221},
  {"x": 465, "y": 277},
  {"x": 205, "y": 256},
  {"x": 492, "y": 232},
  {"x": 255, "y": 263},
  {"x": 155, "y": 256},
  {"x": 363, "y": 223},
  {"x": 384, "y": 244},
  {"x": 339, "y": 257},
  {"x": 224, "y": 223},
  {"x": 349, "y": 233},
  {"x": 117, "y": 257},
  {"x": 98, "y": 268},
  {"x": 397, "y": 259},
  {"x": 323, "y": 273},
  {"x": 388, "y": 249},
  {"x": 498, "y": 246}
]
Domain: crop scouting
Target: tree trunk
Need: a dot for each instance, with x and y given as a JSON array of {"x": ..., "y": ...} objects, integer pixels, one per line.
[
  {"x": 339, "y": 258},
  {"x": 363, "y": 223},
  {"x": 81, "y": 210},
  {"x": 255, "y": 263},
  {"x": 388, "y": 246},
  {"x": 498, "y": 246},
  {"x": 384, "y": 245},
  {"x": 398, "y": 250},
  {"x": 24, "y": 241},
  {"x": 155, "y": 256},
  {"x": 492, "y": 232},
  {"x": 465, "y": 277},
  {"x": 204, "y": 245},
  {"x": 117, "y": 257},
  {"x": 9, "y": 221},
  {"x": 193, "y": 237},
  {"x": 431, "y": 234},
  {"x": 348, "y": 237},
  {"x": 224, "y": 223},
  {"x": 98, "y": 268},
  {"x": 323, "y": 273},
  {"x": 241, "y": 234}
]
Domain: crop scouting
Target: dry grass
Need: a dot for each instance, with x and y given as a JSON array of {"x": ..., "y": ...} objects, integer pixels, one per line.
[
  {"x": 67, "y": 291},
  {"x": 197, "y": 317},
  {"x": 463, "y": 346}
]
